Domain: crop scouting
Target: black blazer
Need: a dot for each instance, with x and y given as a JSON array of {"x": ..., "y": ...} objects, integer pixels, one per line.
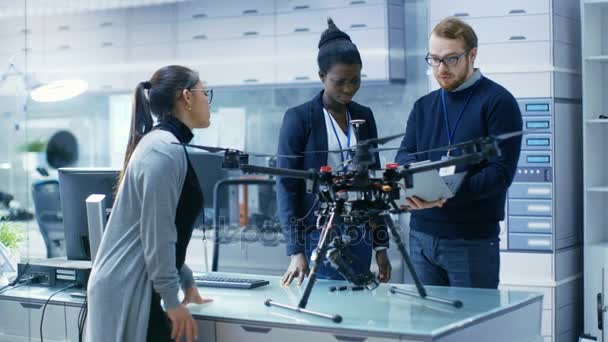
[{"x": 303, "y": 129}]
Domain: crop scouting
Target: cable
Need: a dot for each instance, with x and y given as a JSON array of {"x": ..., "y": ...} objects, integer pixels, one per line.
[
  {"x": 82, "y": 318},
  {"x": 22, "y": 279},
  {"x": 47, "y": 302},
  {"x": 309, "y": 211},
  {"x": 4, "y": 289},
  {"x": 23, "y": 272}
]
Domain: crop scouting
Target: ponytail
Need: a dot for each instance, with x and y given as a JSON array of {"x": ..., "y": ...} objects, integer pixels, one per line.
[{"x": 141, "y": 123}]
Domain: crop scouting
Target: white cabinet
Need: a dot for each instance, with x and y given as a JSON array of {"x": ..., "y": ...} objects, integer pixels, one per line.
[
  {"x": 81, "y": 21},
  {"x": 345, "y": 18},
  {"x": 151, "y": 14},
  {"x": 86, "y": 39},
  {"x": 512, "y": 28},
  {"x": 153, "y": 34},
  {"x": 595, "y": 165},
  {"x": 297, "y": 58},
  {"x": 303, "y": 5},
  {"x": 206, "y": 331},
  {"x": 22, "y": 319},
  {"x": 230, "y": 62},
  {"x": 158, "y": 54},
  {"x": 232, "y": 42},
  {"x": 226, "y": 28},
  {"x": 254, "y": 333},
  {"x": 376, "y": 29},
  {"x": 198, "y": 9},
  {"x": 473, "y": 8}
]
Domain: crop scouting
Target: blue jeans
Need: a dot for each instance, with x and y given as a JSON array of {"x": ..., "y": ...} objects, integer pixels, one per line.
[
  {"x": 360, "y": 246},
  {"x": 457, "y": 262}
]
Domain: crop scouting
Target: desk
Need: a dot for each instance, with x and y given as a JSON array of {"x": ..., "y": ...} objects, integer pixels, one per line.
[{"x": 376, "y": 316}]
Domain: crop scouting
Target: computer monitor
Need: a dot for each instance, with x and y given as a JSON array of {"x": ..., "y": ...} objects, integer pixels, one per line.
[
  {"x": 75, "y": 185},
  {"x": 208, "y": 168}
]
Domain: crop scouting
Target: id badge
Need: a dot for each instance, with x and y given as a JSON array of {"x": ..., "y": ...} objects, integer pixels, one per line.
[{"x": 448, "y": 170}]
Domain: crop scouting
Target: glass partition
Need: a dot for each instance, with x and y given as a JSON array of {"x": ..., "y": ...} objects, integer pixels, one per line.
[{"x": 112, "y": 46}]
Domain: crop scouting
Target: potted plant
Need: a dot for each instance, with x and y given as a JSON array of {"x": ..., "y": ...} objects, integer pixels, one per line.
[
  {"x": 11, "y": 236},
  {"x": 34, "y": 154}
]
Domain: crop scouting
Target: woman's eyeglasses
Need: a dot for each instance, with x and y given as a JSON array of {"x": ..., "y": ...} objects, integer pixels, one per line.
[{"x": 207, "y": 92}]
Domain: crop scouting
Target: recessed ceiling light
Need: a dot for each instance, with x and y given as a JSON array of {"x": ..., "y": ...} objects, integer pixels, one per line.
[{"x": 59, "y": 90}]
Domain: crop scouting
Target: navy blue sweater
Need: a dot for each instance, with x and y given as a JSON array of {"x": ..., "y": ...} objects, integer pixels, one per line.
[{"x": 475, "y": 211}]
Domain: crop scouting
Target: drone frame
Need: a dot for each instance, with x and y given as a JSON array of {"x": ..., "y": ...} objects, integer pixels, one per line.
[{"x": 472, "y": 152}]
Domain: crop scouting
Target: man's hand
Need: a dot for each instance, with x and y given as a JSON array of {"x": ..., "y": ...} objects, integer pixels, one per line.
[
  {"x": 298, "y": 267},
  {"x": 384, "y": 266},
  {"x": 415, "y": 203},
  {"x": 193, "y": 296}
]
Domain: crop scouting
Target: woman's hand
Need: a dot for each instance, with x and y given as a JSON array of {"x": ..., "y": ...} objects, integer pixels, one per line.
[
  {"x": 183, "y": 325},
  {"x": 193, "y": 296},
  {"x": 298, "y": 267},
  {"x": 384, "y": 266}
]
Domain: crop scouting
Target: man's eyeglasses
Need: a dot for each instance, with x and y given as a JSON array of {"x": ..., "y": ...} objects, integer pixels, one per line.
[
  {"x": 207, "y": 92},
  {"x": 447, "y": 61}
]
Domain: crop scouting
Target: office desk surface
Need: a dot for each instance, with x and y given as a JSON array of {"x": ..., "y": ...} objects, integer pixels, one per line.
[
  {"x": 378, "y": 312},
  {"x": 370, "y": 311}
]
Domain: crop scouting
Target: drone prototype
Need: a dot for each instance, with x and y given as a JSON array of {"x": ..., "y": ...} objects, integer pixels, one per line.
[{"x": 357, "y": 196}]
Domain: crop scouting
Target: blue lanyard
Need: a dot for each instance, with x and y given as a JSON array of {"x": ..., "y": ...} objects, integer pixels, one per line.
[
  {"x": 331, "y": 120},
  {"x": 445, "y": 113}
]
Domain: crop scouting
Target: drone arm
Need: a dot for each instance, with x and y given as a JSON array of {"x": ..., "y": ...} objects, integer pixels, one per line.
[
  {"x": 273, "y": 171},
  {"x": 493, "y": 178},
  {"x": 466, "y": 159}
]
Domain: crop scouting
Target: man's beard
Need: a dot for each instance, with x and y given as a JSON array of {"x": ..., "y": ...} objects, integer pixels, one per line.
[{"x": 454, "y": 83}]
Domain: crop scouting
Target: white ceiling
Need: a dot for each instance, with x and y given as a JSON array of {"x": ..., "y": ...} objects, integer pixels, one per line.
[{"x": 16, "y": 8}]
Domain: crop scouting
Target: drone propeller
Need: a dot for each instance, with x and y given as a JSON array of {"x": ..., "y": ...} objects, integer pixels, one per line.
[
  {"x": 223, "y": 149},
  {"x": 509, "y": 135},
  {"x": 498, "y": 138},
  {"x": 379, "y": 141}
]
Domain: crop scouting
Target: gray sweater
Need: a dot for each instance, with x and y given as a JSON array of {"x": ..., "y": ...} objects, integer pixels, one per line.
[{"x": 137, "y": 251}]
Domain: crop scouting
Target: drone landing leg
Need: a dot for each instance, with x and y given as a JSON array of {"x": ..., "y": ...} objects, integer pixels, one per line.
[
  {"x": 421, "y": 291},
  {"x": 316, "y": 259}
]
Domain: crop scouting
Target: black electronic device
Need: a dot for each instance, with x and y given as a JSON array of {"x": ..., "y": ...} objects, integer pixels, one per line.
[
  {"x": 209, "y": 171},
  {"x": 75, "y": 185},
  {"x": 209, "y": 280},
  {"x": 357, "y": 197},
  {"x": 55, "y": 272}
]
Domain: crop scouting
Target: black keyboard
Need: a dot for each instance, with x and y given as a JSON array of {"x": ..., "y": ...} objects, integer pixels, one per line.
[{"x": 228, "y": 282}]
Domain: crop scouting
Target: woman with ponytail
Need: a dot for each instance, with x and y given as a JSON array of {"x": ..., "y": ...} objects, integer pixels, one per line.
[
  {"x": 323, "y": 124},
  {"x": 141, "y": 256}
]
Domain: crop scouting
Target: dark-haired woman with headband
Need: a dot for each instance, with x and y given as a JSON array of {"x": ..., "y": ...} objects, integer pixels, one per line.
[
  {"x": 322, "y": 124},
  {"x": 141, "y": 256}
]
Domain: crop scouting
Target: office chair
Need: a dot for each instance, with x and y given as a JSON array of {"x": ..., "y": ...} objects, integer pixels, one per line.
[{"x": 48, "y": 214}]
